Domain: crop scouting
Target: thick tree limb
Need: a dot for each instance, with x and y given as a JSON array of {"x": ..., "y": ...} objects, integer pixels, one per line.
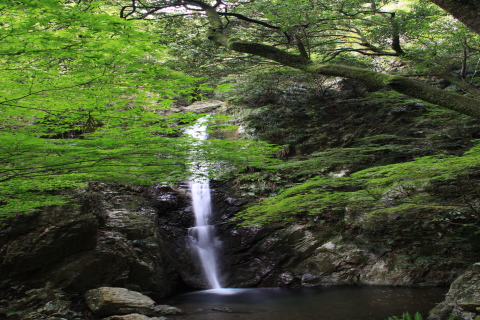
[
  {"x": 404, "y": 85},
  {"x": 407, "y": 86},
  {"x": 244, "y": 18}
]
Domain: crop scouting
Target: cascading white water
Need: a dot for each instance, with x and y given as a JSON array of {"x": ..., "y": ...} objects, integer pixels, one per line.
[{"x": 204, "y": 241}]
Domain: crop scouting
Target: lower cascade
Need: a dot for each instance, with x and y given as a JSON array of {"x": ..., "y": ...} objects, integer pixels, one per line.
[{"x": 202, "y": 235}]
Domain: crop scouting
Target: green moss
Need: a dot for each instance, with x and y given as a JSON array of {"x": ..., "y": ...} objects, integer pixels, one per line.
[{"x": 397, "y": 189}]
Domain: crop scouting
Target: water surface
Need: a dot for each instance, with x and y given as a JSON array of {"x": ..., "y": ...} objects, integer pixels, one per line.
[{"x": 322, "y": 303}]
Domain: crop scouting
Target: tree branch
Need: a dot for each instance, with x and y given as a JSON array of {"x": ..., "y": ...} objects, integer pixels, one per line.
[
  {"x": 244, "y": 18},
  {"x": 410, "y": 87}
]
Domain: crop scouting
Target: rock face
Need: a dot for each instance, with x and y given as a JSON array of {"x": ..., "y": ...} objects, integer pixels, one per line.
[
  {"x": 36, "y": 304},
  {"x": 204, "y": 106},
  {"x": 109, "y": 239},
  {"x": 295, "y": 256},
  {"x": 175, "y": 216},
  {"x": 462, "y": 299},
  {"x": 138, "y": 240},
  {"x": 108, "y": 301}
]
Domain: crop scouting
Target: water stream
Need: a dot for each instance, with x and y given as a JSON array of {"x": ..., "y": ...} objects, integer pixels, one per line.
[{"x": 202, "y": 235}]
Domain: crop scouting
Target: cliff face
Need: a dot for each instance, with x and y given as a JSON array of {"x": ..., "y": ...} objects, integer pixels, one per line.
[
  {"x": 109, "y": 238},
  {"x": 297, "y": 255},
  {"x": 138, "y": 239}
]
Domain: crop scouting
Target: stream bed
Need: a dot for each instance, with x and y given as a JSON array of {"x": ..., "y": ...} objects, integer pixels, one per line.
[{"x": 322, "y": 303}]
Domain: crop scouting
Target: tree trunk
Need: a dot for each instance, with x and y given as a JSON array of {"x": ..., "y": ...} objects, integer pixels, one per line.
[{"x": 466, "y": 11}]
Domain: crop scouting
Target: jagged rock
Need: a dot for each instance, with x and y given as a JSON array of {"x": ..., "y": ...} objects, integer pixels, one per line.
[
  {"x": 109, "y": 239},
  {"x": 175, "y": 216},
  {"x": 54, "y": 238},
  {"x": 134, "y": 316},
  {"x": 38, "y": 304},
  {"x": 464, "y": 293},
  {"x": 164, "y": 309},
  {"x": 107, "y": 301}
]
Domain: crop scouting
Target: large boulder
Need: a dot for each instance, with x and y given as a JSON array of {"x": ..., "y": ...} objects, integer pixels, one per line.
[
  {"x": 463, "y": 298},
  {"x": 108, "y": 301}
]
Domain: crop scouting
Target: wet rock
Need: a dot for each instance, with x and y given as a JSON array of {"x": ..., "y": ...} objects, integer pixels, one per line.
[
  {"x": 224, "y": 309},
  {"x": 49, "y": 243},
  {"x": 175, "y": 217},
  {"x": 134, "y": 316},
  {"x": 293, "y": 256},
  {"x": 300, "y": 256},
  {"x": 165, "y": 309},
  {"x": 120, "y": 259},
  {"x": 107, "y": 301},
  {"x": 462, "y": 299}
]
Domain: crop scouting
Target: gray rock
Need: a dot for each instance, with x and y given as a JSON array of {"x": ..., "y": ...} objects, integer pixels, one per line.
[
  {"x": 464, "y": 290},
  {"x": 109, "y": 239},
  {"x": 107, "y": 301},
  {"x": 58, "y": 238},
  {"x": 164, "y": 309},
  {"x": 44, "y": 303},
  {"x": 224, "y": 309},
  {"x": 134, "y": 316},
  {"x": 204, "y": 106},
  {"x": 299, "y": 255}
]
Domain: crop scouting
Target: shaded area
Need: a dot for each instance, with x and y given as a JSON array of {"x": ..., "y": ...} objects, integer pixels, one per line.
[{"x": 326, "y": 303}]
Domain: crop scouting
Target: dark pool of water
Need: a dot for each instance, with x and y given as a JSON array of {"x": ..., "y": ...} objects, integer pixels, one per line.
[{"x": 322, "y": 303}]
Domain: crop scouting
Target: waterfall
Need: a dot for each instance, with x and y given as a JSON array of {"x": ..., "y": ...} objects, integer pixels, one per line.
[{"x": 202, "y": 235}]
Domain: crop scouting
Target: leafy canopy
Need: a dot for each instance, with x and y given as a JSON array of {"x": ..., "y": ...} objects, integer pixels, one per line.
[{"x": 81, "y": 94}]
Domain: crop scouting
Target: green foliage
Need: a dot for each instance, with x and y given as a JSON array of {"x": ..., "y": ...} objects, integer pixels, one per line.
[
  {"x": 402, "y": 189},
  {"x": 82, "y": 97},
  {"x": 407, "y": 316}
]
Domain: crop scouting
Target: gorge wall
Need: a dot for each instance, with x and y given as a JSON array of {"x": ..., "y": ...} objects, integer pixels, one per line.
[
  {"x": 138, "y": 239},
  {"x": 108, "y": 237},
  {"x": 298, "y": 255}
]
